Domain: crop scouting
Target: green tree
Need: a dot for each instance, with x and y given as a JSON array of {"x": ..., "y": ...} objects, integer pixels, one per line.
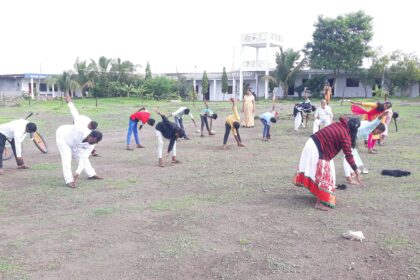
[
  {"x": 148, "y": 72},
  {"x": 315, "y": 84},
  {"x": 205, "y": 84},
  {"x": 101, "y": 76},
  {"x": 340, "y": 44},
  {"x": 288, "y": 66},
  {"x": 403, "y": 72},
  {"x": 225, "y": 85},
  {"x": 83, "y": 75}
]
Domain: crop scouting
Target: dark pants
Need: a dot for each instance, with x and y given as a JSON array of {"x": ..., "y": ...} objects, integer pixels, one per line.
[
  {"x": 204, "y": 121},
  {"x": 3, "y": 140},
  {"x": 227, "y": 132},
  {"x": 180, "y": 123},
  {"x": 266, "y": 130}
]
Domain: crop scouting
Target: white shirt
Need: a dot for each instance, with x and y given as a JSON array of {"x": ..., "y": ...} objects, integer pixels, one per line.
[
  {"x": 324, "y": 113},
  {"x": 79, "y": 120},
  {"x": 15, "y": 130},
  {"x": 180, "y": 113},
  {"x": 73, "y": 136}
]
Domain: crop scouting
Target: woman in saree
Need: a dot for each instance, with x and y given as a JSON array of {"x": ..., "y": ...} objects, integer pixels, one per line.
[{"x": 248, "y": 108}]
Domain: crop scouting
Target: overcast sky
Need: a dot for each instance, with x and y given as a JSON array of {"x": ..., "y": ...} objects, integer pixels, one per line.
[{"x": 177, "y": 35}]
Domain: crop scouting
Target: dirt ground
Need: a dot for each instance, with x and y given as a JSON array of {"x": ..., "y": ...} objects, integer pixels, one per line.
[{"x": 218, "y": 215}]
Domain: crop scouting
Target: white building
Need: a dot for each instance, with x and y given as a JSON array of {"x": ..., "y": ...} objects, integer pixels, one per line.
[{"x": 16, "y": 85}]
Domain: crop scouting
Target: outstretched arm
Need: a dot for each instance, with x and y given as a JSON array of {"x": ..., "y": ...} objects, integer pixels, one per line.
[{"x": 73, "y": 110}]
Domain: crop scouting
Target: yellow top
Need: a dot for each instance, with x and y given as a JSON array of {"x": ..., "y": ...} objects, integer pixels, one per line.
[
  {"x": 233, "y": 118},
  {"x": 369, "y": 104}
]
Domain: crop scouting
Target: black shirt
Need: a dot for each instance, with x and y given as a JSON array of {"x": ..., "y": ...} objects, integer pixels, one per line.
[{"x": 168, "y": 130}]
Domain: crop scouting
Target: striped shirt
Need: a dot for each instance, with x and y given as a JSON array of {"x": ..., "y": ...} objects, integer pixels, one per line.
[{"x": 332, "y": 139}]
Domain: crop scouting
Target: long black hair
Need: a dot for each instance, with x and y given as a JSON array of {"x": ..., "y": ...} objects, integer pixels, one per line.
[
  {"x": 353, "y": 124},
  {"x": 381, "y": 106}
]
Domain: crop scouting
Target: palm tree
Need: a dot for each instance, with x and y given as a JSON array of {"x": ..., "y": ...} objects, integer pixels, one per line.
[
  {"x": 288, "y": 65},
  {"x": 83, "y": 75}
]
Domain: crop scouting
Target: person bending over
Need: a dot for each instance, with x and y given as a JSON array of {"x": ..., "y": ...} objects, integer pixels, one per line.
[
  {"x": 172, "y": 132},
  {"x": 233, "y": 123}
]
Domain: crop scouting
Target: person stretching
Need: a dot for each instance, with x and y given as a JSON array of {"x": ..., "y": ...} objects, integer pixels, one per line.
[
  {"x": 178, "y": 114},
  {"x": 207, "y": 113},
  {"x": 266, "y": 119},
  {"x": 142, "y": 116},
  {"x": 80, "y": 120},
  {"x": 170, "y": 131},
  {"x": 15, "y": 132},
  {"x": 75, "y": 142},
  {"x": 233, "y": 123},
  {"x": 366, "y": 128}
]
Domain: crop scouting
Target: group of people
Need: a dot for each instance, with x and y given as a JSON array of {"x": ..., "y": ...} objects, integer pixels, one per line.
[{"x": 316, "y": 170}]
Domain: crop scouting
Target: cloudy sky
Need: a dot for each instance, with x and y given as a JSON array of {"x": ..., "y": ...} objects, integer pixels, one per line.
[{"x": 177, "y": 35}]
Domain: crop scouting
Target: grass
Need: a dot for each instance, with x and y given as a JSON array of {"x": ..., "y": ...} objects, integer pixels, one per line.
[
  {"x": 180, "y": 246},
  {"x": 238, "y": 202}
]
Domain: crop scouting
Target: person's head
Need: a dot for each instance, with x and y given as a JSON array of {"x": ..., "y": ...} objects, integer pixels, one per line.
[
  {"x": 313, "y": 108},
  {"x": 395, "y": 115},
  {"x": 383, "y": 106},
  {"x": 94, "y": 137},
  {"x": 273, "y": 120},
  {"x": 236, "y": 125},
  {"x": 249, "y": 92},
  {"x": 323, "y": 103},
  {"x": 186, "y": 111},
  {"x": 180, "y": 133},
  {"x": 30, "y": 128},
  {"x": 93, "y": 125},
  {"x": 353, "y": 124},
  {"x": 379, "y": 129},
  {"x": 151, "y": 122},
  {"x": 214, "y": 116}
]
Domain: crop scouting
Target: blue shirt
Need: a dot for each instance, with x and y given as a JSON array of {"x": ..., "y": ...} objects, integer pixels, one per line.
[
  {"x": 267, "y": 117},
  {"x": 366, "y": 128},
  {"x": 207, "y": 112}
]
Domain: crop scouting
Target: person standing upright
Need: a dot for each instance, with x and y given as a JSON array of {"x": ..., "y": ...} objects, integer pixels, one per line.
[{"x": 248, "y": 108}]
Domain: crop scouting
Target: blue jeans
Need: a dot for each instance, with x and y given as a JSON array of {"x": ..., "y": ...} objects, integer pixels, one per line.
[
  {"x": 132, "y": 128},
  {"x": 179, "y": 122},
  {"x": 266, "y": 130}
]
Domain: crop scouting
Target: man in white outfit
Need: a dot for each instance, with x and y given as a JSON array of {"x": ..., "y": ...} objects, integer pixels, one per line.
[
  {"x": 81, "y": 120},
  {"x": 323, "y": 116},
  {"x": 15, "y": 132},
  {"x": 74, "y": 141}
]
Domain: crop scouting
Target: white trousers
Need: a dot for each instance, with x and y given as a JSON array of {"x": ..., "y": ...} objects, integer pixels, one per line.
[
  {"x": 319, "y": 122},
  {"x": 347, "y": 168},
  {"x": 159, "y": 137},
  {"x": 66, "y": 157},
  {"x": 298, "y": 120}
]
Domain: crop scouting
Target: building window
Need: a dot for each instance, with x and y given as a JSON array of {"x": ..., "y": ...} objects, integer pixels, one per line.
[
  {"x": 55, "y": 88},
  {"x": 42, "y": 87},
  {"x": 352, "y": 82},
  {"x": 230, "y": 90}
]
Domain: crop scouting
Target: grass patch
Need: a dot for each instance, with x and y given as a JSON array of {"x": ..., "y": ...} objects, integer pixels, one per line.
[
  {"x": 104, "y": 211},
  {"x": 396, "y": 242},
  {"x": 46, "y": 166},
  {"x": 180, "y": 247},
  {"x": 11, "y": 271}
]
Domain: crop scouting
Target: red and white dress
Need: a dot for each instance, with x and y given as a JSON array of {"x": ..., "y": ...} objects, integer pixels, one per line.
[{"x": 316, "y": 169}]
